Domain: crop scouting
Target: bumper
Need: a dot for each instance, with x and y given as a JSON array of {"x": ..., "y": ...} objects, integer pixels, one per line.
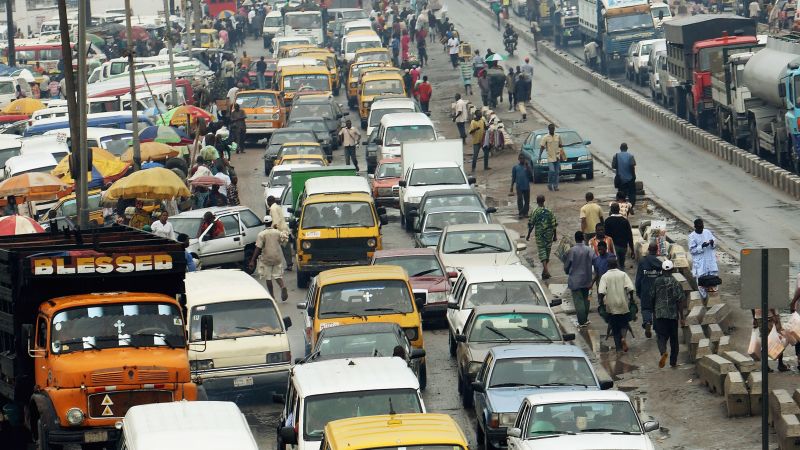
[
  {"x": 220, "y": 387},
  {"x": 387, "y": 201},
  {"x": 320, "y": 266},
  {"x": 434, "y": 311},
  {"x": 63, "y": 436},
  {"x": 496, "y": 436},
  {"x": 574, "y": 168},
  {"x": 251, "y": 130}
]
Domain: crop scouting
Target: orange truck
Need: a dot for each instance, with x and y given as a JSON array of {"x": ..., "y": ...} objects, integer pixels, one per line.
[{"x": 90, "y": 326}]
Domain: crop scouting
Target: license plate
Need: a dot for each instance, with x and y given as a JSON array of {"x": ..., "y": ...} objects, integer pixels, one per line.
[
  {"x": 95, "y": 436},
  {"x": 242, "y": 381},
  {"x": 566, "y": 166}
]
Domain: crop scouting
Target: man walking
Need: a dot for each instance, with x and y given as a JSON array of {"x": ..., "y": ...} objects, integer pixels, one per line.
[
  {"x": 544, "y": 223},
  {"x": 619, "y": 230},
  {"x": 460, "y": 118},
  {"x": 703, "y": 248},
  {"x": 578, "y": 267},
  {"x": 425, "y": 92},
  {"x": 615, "y": 291},
  {"x": 477, "y": 129},
  {"x": 667, "y": 297},
  {"x": 261, "y": 67},
  {"x": 452, "y": 48},
  {"x": 276, "y": 213},
  {"x": 647, "y": 271},
  {"x": 591, "y": 214},
  {"x": 522, "y": 179},
  {"x": 625, "y": 165},
  {"x": 555, "y": 154},
  {"x": 600, "y": 261},
  {"x": 349, "y": 137},
  {"x": 269, "y": 256},
  {"x": 600, "y": 236}
]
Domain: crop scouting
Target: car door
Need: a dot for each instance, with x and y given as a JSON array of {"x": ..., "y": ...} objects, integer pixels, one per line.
[
  {"x": 456, "y": 297},
  {"x": 523, "y": 416},
  {"x": 251, "y": 224},
  {"x": 482, "y": 410},
  {"x": 226, "y": 249},
  {"x": 462, "y": 349},
  {"x": 308, "y": 315}
]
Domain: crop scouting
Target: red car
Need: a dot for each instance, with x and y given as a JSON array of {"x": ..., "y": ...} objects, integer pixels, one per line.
[
  {"x": 427, "y": 275},
  {"x": 385, "y": 190}
]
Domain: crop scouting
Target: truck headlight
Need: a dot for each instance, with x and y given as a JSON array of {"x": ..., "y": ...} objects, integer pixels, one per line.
[
  {"x": 306, "y": 245},
  {"x": 437, "y": 297},
  {"x": 411, "y": 333},
  {"x": 276, "y": 116},
  {"x": 507, "y": 419},
  {"x": 201, "y": 364},
  {"x": 414, "y": 200},
  {"x": 74, "y": 416},
  {"x": 371, "y": 242},
  {"x": 278, "y": 357},
  {"x": 585, "y": 158}
]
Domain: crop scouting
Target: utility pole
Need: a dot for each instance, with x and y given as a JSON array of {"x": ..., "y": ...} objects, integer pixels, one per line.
[
  {"x": 170, "y": 34},
  {"x": 83, "y": 152},
  {"x": 10, "y": 29},
  {"x": 187, "y": 24},
  {"x": 72, "y": 104},
  {"x": 198, "y": 17},
  {"x": 137, "y": 154}
]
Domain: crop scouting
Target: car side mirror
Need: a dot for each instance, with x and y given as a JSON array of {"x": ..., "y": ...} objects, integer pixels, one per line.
[
  {"x": 491, "y": 210},
  {"x": 461, "y": 338},
  {"x": 302, "y": 305},
  {"x": 206, "y": 327},
  {"x": 568, "y": 337},
  {"x": 555, "y": 302},
  {"x": 587, "y": 142},
  {"x": 384, "y": 219},
  {"x": 513, "y": 432},
  {"x": 371, "y": 176},
  {"x": 287, "y": 322},
  {"x": 288, "y": 435},
  {"x": 417, "y": 353},
  {"x": 452, "y": 305},
  {"x": 378, "y": 141},
  {"x": 521, "y": 246},
  {"x": 402, "y": 183},
  {"x": 635, "y": 54},
  {"x": 650, "y": 425},
  {"x": 279, "y": 398},
  {"x": 477, "y": 386},
  {"x": 471, "y": 180},
  {"x": 381, "y": 210},
  {"x": 265, "y": 184},
  {"x": 606, "y": 384},
  {"x": 452, "y": 274}
]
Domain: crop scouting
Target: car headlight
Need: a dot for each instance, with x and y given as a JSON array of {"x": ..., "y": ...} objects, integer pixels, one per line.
[
  {"x": 385, "y": 191},
  {"x": 414, "y": 199},
  {"x": 507, "y": 419},
  {"x": 543, "y": 160},
  {"x": 278, "y": 357},
  {"x": 371, "y": 242},
  {"x": 585, "y": 158},
  {"x": 412, "y": 333},
  {"x": 201, "y": 364},
  {"x": 437, "y": 297},
  {"x": 276, "y": 116},
  {"x": 306, "y": 245},
  {"x": 75, "y": 416},
  {"x": 474, "y": 366}
]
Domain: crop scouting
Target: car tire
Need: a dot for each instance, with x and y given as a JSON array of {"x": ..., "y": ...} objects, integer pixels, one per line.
[
  {"x": 248, "y": 255},
  {"x": 466, "y": 395},
  {"x": 302, "y": 279},
  {"x": 479, "y": 435},
  {"x": 41, "y": 442},
  {"x": 452, "y": 344},
  {"x": 487, "y": 445},
  {"x": 423, "y": 376},
  {"x": 590, "y": 174},
  {"x": 460, "y": 385}
]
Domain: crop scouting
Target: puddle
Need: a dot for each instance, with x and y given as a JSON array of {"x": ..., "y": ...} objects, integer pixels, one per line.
[{"x": 615, "y": 367}]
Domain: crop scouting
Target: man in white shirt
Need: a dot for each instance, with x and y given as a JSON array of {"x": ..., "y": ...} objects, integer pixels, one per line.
[
  {"x": 590, "y": 50},
  {"x": 276, "y": 213},
  {"x": 223, "y": 188},
  {"x": 452, "y": 45},
  {"x": 460, "y": 117},
  {"x": 754, "y": 9},
  {"x": 163, "y": 228},
  {"x": 615, "y": 292}
]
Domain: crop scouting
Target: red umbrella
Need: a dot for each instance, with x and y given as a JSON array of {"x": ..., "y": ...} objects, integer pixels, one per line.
[
  {"x": 14, "y": 225},
  {"x": 207, "y": 181}
]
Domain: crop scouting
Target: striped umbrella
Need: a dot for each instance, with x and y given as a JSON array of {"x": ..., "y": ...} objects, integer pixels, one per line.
[
  {"x": 14, "y": 225},
  {"x": 33, "y": 186},
  {"x": 164, "y": 134}
]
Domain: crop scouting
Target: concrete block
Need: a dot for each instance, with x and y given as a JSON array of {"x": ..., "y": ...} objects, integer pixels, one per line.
[
  {"x": 713, "y": 332},
  {"x": 754, "y": 386},
  {"x": 695, "y": 316},
  {"x": 703, "y": 348},
  {"x": 692, "y": 334},
  {"x": 716, "y": 314},
  {"x": 694, "y": 300},
  {"x": 743, "y": 363},
  {"x": 796, "y": 396},
  {"x": 723, "y": 345},
  {"x": 780, "y": 403},
  {"x": 787, "y": 430},
  {"x": 737, "y": 399},
  {"x": 712, "y": 299},
  {"x": 683, "y": 281},
  {"x": 712, "y": 370}
]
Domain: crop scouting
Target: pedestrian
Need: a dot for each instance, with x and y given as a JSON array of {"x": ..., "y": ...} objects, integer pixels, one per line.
[
  {"x": 625, "y": 179},
  {"x": 231, "y": 96},
  {"x": 269, "y": 255},
  {"x": 190, "y": 264},
  {"x": 162, "y": 227},
  {"x": 483, "y": 85},
  {"x": 600, "y": 236},
  {"x": 521, "y": 93},
  {"x": 590, "y": 54},
  {"x": 578, "y": 267},
  {"x": 600, "y": 261},
  {"x": 395, "y": 46},
  {"x": 422, "y": 48},
  {"x": 510, "y": 87},
  {"x": 615, "y": 293},
  {"x": 555, "y": 154},
  {"x": 478, "y": 63},
  {"x": 140, "y": 217},
  {"x": 522, "y": 178},
  {"x": 238, "y": 127},
  {"x": 349, "y": 137},
  {"x": 244, "y": 61},
  {"x": 647, "y": 271},
  {"x": 792, "y": 309},
  {"x": 233, "y": 189},
  {"x": 408, "y": 82},
  {"x": 11, "y": 207},
  {"x": 229, "y": 74},
  {"x": 405, "y": 44},
  {"x": 276, "y": 213},
  {"x": 527, "y": 68},
  {"x": 261, "y": 68},
  {"x": 590, "y": 214},
  {"x": 425, "y": 92},
  {"x": 667, "y": 299},
  {"x": 497, "y": 81},
  {"x": 453, "y": 44},
  {"x": 460, "y": 118},
  {"x": 703, "y": 248},
  {"x": 755, "y": 10},
  {"x": 544, "y": 223},
  {"x": 466, "y": 76},
  {"x": 619, "y": 230},
  {"x": 477, "y": 129},
  {"x": 624, "y": 204}
]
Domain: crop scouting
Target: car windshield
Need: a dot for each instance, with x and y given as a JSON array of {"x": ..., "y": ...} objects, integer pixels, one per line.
[
  {"x": 373, "y": 56},
  {"x": 539, "y": 371},
  {"x": 629, "y": 22},
  {"x": 421, "y": 447},
  {"x": 8, "y": 153},
  {"x": 372, "y": 344},
  {"x": 474, "y": 242},
  {"x": 353, "y": 46},
  {"x": 377, "y": 87},
  {"x": 317, "y": 125},
  {"x": 437, "y": 175},
  {"x": 70, "y": 207},
  {"x": 567, "y": 138},
  {"x": 377, "y": 114},
  {"x": 186, "y": 225},
  {"x": 309, "y": 81},
  {"x": 6, "y": 87},
  {"x": 280, "y": 178},
  {"x": 288, "y": 136},
  {"x": 437, "y": 221},
  {"x": 117, "y": 144},
  {"x": 300, "y": 110},
  {"x": 353, "y": 15},
  {"x": 388, "y": 170},
  {"x": 116, "y": 326},
  {"x": 583, "y": 417},
  {"x": 307, "y": 20},
  {"x": 321, "y": 409},
  {"x": 236, "y": 319},
  {"x": 301, "y": 150},
  {"x": 644, "y": 49},
  {"x": 655, "y": 10},
  {"x": 514, "y": 327},
  {"x": 504, "y": 292},
  {"x": 416, "y": 265},
  {"x": 256, "y": 100},
  {"x": 337, "y": 215},
  {"x": 396, "y": 135},
  {"x": 357, "y": 68},
  {"x": 364, "y": 298},
  {"x": 272, "y": 22},
  {"x": 434, "y": 201}
]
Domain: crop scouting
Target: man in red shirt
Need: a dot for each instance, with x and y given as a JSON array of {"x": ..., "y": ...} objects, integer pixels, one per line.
[
  {"x": 217, "y": 229},
  {"x": 425, "y": 91}
]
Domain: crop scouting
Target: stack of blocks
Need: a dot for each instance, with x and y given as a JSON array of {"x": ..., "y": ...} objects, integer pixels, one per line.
[{"x": 783, "y": 415}]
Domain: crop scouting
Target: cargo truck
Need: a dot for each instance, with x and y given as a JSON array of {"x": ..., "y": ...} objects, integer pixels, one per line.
[
  {"x": 615, "y": 25},
  {"x": 566, "y": 23},
  {"x": 694, "y": 45},
  {"x": 757, "y": 102},
  {"x": 89, "y": 327}
]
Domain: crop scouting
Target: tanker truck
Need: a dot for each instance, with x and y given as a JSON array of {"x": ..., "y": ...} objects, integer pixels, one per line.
[{"x": 757, "y": 100}]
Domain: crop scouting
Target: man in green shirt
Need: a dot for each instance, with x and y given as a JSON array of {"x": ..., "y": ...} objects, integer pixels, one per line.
[{"x": 667, "y": 295}]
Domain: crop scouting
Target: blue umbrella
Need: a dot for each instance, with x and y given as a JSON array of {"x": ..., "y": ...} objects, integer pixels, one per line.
[{"x": 151, "y": 164}]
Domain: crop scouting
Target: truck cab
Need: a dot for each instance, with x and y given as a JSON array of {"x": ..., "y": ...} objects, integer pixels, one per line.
[{"x": 616, "y": 25}]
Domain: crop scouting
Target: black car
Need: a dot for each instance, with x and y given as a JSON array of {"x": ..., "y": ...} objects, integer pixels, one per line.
[
  {"x": 319, "y": 107},
  {"x": 284, "y": 135},
  {"x": 320, "y": 128},
  {"x": 450, "y": 197}
]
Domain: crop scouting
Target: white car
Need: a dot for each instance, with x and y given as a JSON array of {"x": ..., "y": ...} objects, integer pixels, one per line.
[
  {"x": 278, "y": 180},
  {"x": 423, "y": 177},
  {"x": 478, "y": 244},
  {"x": 579, "y": 420},
  {"x": 491, "y": 285}
]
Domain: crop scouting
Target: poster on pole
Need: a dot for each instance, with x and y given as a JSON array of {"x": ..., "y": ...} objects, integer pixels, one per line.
[{"x": 759, "y": 265}]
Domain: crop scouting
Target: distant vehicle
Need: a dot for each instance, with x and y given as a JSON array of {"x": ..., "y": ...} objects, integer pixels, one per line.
[
  {"x": 34, "y": 162},
  {"x": 121, "y": 120},
  {"x": 385, "y": 190},
  {"x": 390, "y": 105},
  {"x": 281, "y": 136},
  {"x": 279, "y": 179},
  {"x": 273, "y": 25},
  {"x": 467, "y": 245},
  {"x": 429, "y": 227},
  {"x": 579, "y": 158},
  {"x": 451, "y": 197},
  {"x": 399, "y": 431}
]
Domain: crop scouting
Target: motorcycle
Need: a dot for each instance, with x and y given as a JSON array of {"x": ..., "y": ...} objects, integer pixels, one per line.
[{"x": 510, "y": 43}]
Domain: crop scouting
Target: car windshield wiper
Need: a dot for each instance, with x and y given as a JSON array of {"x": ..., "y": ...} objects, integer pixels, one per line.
[
  {"x": 536, "y": 332},
  {"x": 483, "y": 244},
  {"x": 163, "y": 337},
  {"x": 498, "y": 332},
  {"x": 257, "y": 330},
  {"x": 109, "y": 338},
  {"x": 424, "y": 272},
  {"x": 500, "y": 385},
  {"x": 344, "y": 313},
  {"x": 468, "y": 249},
  {"x": 348, "y": 224},
  {"x": 605, "y": 430},
  {"x": 564, "y": 384},
  {"x": 429, "y": 228},
  {"x": 384, "y": 309},
  {"x": 553, "y": 434}
]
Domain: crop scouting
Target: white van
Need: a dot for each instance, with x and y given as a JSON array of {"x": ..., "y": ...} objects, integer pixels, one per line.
[
  {"x": 50, "y": 28},
  {"x": 393, "y": 130},
  {"x": 36, "y": 162},
  {"x": 248, "y": 350},
  {"x": 273, "y": 26},
  {"x": 8, "y": 89},
  {"x": 304, "y": 23},
  {"x": 382, "y": 107},
  {"x": 299, "y": 61},
  {"x": 354, "y": 42},
  {"x": 194, "y": 425},
  {"x": 48, "y": 113},
  {"x": 112, "y": 139},
  {"x": 54, "y": 145},
  {"x": 323, "y": 391}
]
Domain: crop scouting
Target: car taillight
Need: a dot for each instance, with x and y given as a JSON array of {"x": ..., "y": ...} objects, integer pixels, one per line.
[{"x": 278, "y": 357}]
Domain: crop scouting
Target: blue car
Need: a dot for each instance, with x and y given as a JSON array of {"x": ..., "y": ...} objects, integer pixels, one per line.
[
  {"x": 512, "y": 372},
  {"x": 579, "y": 158}
]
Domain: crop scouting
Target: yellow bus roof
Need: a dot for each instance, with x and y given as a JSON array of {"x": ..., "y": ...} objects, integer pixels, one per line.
[
  {"x": 300, "y": 70},
  {"x": 381, "y": 75},
  {"x": 359, "y": 273},
  {"x": 399, "y": 430}
]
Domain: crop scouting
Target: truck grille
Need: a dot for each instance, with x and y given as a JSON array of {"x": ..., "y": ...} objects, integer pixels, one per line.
[
  {"x": 112, "y": 377},
  {"x": 108, "y": 378},
  {"x": 343, "y": 249},
  {"x": 114, "y": 405},
  {"x": 570, "y": 22}
]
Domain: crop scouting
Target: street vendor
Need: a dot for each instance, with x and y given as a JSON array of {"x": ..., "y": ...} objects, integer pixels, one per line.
[
  {"x": 217, "y": 230},
  {"x": 140, "y": 216}
]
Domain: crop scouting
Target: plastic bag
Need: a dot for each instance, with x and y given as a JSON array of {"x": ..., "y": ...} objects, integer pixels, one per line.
[
  {"x": 775, "y": 344},
  {"x": 792, "y": 329},
  {"x": 754, "y": 349}
]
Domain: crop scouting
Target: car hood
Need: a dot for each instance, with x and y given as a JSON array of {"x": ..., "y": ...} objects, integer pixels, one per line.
[
  {"x": 386, "y": 182},
  {"x": 508, "y": 399},
  {"x": 275, "y": 191},
  {"x": 431, "y": 284},
  {"x": 478, "y": 350},
  {"x": 572, "y": 151},
  {"x": 592, "y": 441},
  {"x": 428, "y": 239},
  {"x": 460, "y": 261}
]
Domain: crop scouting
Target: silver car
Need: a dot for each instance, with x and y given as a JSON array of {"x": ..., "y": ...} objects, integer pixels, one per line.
[{"x": 234, "y": 241}]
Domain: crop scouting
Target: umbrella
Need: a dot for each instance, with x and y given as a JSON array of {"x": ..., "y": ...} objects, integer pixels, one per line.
[
  {"x": 495, "y": 57},
  {"x": 151, "y": 164},
  {"x": 105, "y": 168},
  {"x": 24, "y": 106},
  {"x": 33, "y": 186},
  {"x": 138, "y": 34},
  {"x": 151, "y": 151},
  {"x": 157, "y": 184},
  {"x": 14, "y": 225},
  {"x": 207, "y": 181},
  {"x": 177, "y": 116},
  {"x": 164, "y": 134},
  {"x": 226, "y": 14}
]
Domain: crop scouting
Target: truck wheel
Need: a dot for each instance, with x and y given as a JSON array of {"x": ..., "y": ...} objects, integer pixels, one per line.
[
  {"x": 423, "y": 376},
  {"x": 755, "y": 148},
  {"x": 41, "y": 442},
  {"x": 451, "y": 344},
  {"x": 302, "y": 279}
]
